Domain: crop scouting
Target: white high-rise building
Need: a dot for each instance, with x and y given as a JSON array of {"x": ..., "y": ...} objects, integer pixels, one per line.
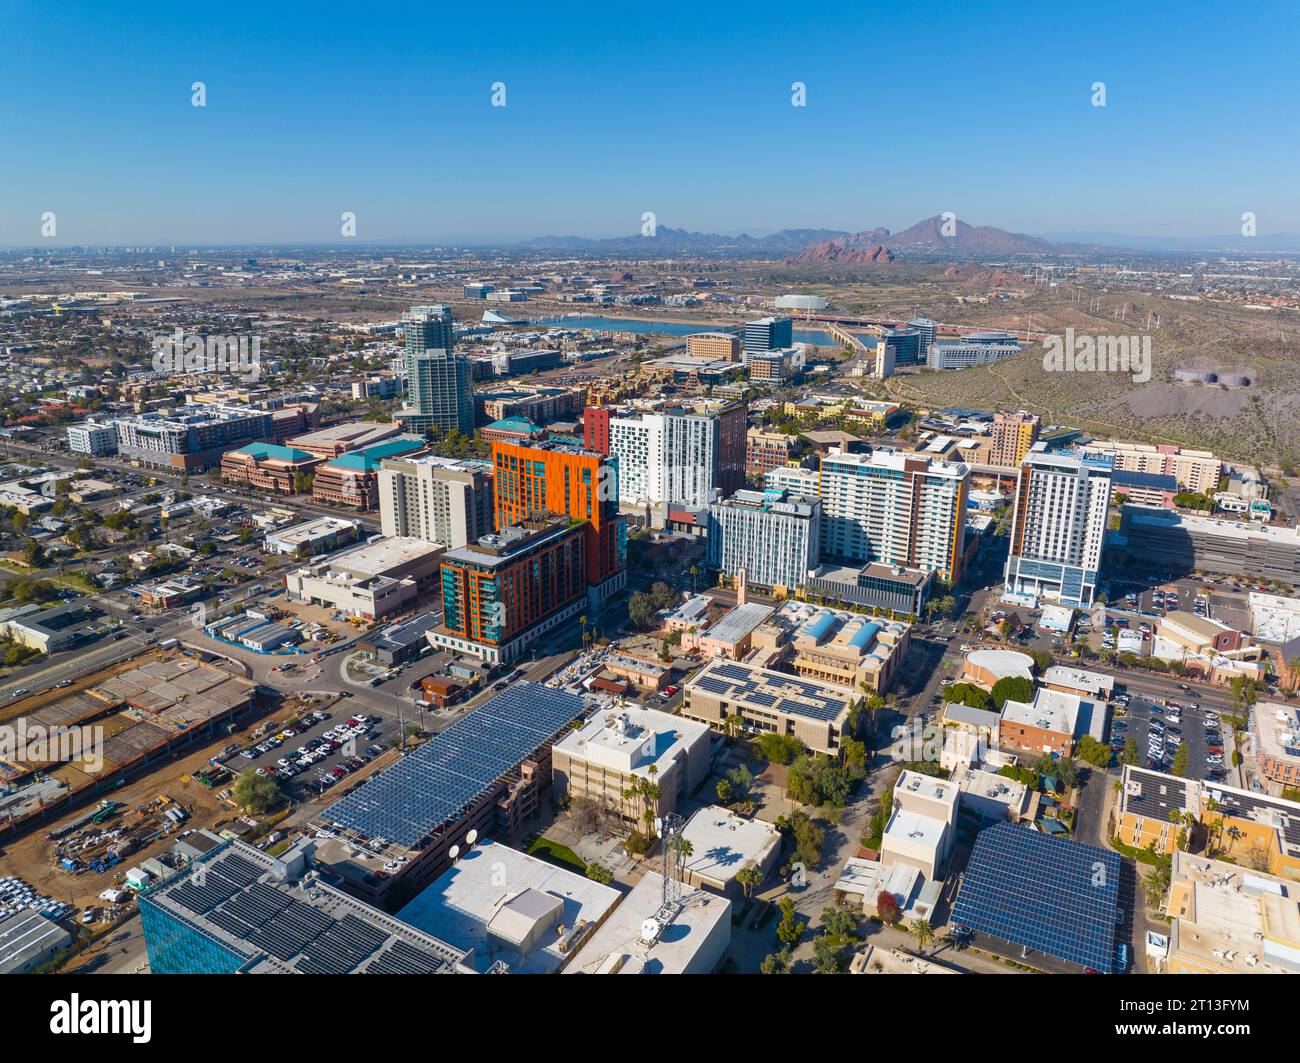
[
  {"x": 774, "y": 538},
  {"x": 439, "y": 500},
  {"x": 1059, "y": 527},
  {"x": 639, "y": 444},
  {"x": 665, "y": 457},
  {"x": 895, "y": 508}
]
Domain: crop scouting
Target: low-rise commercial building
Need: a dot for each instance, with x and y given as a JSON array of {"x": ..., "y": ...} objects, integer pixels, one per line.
[
  {"x": 845, "y": 649},
  {"x": 510, "y": 912},
  {"x": 1255, "y": 826},
  {"x": 314, "y": 537},
  {"x": 1051, "y": 723},
  {"x": 768, "y": 450},
  {"x": 723, "y": 843},
  {"x": 639, "y": 937},
  {"x": 369, "y": 582},
  {"x": 237, "y": 910},
  {"x": 268, "y": 467},
  {"x": 1275, "y": 745},
  {"x": 1226, "y": 919},
  {"x": 768, "y": 701},
  {"x": 340, "y": 439},
  {"x": 903, "y": 591},
  {"x": 352, "y": 480}
]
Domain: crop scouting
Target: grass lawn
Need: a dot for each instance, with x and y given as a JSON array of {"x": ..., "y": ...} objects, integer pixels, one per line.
[{"x": 558, "y": 854}]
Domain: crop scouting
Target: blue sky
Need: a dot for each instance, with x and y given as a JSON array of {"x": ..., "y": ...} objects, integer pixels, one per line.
[{"x": 617, "y": 109}]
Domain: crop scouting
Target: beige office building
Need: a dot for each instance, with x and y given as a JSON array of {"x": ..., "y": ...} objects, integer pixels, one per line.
[
  {"x": 717, "y": 345},
  {"x": 769, "y": 701},
  {"x": 619, "y": 746}
]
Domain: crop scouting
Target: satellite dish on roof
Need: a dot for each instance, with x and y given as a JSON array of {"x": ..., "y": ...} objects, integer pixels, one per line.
[
  {"x": 471, "y": 837},
  {"x": 454, "y": 851}
]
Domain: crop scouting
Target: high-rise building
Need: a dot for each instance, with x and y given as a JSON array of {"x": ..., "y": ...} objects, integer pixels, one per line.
[
  {"x": 438, "y": 381},
  {"x": 774, "y": 538},
  {"x": 721, "y": 346},
  {"x": 532, "y": 480},
  {"x": 1013, "y": 435},
  {"x": 904, "y": 345},
  {"x": 504, "y": 590},
  {"x": 686, "y": 457},
  {"x": 1058, "y": 529},
  {"x": 768, "y": 334},
  {"x": 895, "y": 508},
  {"x": 925, "y": 329},
  {"x": 595, "y": 428},
  {"x": 440, "y": 500}
]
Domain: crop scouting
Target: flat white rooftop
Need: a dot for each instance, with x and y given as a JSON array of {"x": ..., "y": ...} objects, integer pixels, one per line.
[
  {"x": 722, "y": 843},
  {"x": 313, "y": 529},
  {"x": 378, "y": 558},
  {"x": 629, "y": 739},
  {"x": 457, "y": 906},
  {"x": 1051, "y": 710},
  {"x": 913, "y": 830},
  {"x": 1079, "y": 679},
  {"x": 692, "y": 943}
]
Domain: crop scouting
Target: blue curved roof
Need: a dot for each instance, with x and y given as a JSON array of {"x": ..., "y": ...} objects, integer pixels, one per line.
[
  {"x": 865, "y": 636},
  {"x": 819, "y": 625}
]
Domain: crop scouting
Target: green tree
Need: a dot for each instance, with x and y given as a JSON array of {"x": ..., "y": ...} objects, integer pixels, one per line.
[
  {"x": 777, "y": 962},
  {"x": 1012, "y": 688},
  {"x": 600, "y": 873},
  {"x": 789, "y": 930},
  {"x": 923, "y": 932},
  {"x": 750, "y": 878},
  {"x": 641, "y": 610},
  {"x": 1180, "y": 759},
  {"x": 256, "y": 793}
]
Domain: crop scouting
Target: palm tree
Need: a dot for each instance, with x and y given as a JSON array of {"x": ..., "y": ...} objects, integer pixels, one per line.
[
  {"x": 1234, "y": 834},
  {"x": 583, "y": 621},
  {"x": 923, "y": 932}
]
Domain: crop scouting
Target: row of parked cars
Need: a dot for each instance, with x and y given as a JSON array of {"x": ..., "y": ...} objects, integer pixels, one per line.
[{"x": 314, "y": 750}]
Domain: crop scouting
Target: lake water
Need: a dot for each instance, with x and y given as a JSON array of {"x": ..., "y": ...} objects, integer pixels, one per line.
[{"x": 668, "y": 328}]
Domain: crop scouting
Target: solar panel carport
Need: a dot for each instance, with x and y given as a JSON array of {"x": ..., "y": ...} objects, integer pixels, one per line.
[
  {"x": 406, "y": 803},
  {"x": 1054, "y": 895}
]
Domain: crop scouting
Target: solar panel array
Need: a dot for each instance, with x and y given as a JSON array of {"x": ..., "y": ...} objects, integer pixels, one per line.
[
  {"x": 226, "y": 894},
  {"x": 741, "y": 681},
  {"x": 1054, "y": 895},
  {"x": 443, "y": 777}
]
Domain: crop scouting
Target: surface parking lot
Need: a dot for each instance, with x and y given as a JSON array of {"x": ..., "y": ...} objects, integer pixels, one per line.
[
  {"x": 347, "y": 757},
  {"x": 1191, "y": 727}
]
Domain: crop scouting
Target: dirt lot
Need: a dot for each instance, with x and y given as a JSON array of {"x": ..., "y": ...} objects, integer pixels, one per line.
[{"x": 34, "y": 858}]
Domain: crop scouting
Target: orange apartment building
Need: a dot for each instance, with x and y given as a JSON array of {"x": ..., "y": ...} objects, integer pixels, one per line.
[{"x": 560, "y": 479}]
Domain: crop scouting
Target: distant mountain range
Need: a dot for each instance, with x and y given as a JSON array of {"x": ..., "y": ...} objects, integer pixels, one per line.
[
  {"x": 879, "y": 246},
  {"x": 667, "y": 240},
  {"x": 1273, "y": 242}
]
